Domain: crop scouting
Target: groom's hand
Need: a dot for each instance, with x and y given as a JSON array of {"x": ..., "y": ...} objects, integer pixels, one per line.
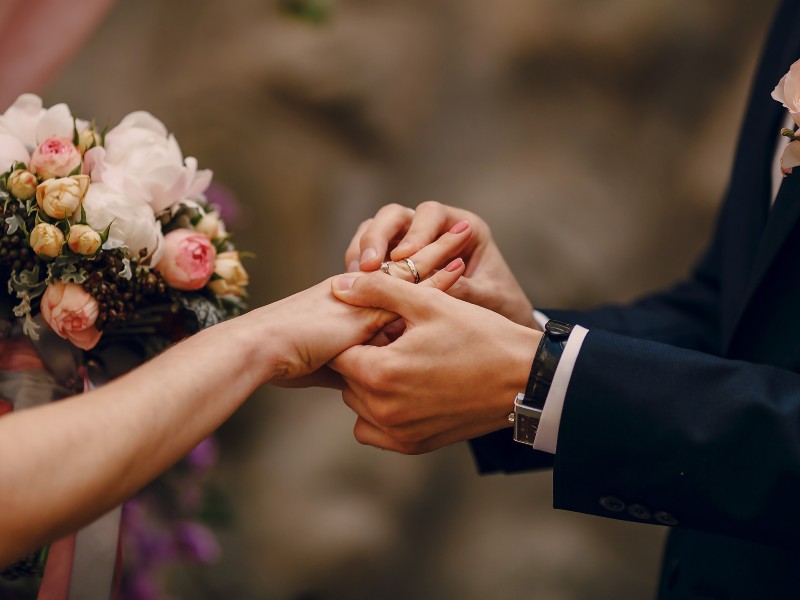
[
  {"x": 452, "y": 375},
  {"x": 400, "y": 232}
]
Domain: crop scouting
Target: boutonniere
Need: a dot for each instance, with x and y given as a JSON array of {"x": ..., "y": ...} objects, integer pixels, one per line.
[{"x": 787, "y": 92}]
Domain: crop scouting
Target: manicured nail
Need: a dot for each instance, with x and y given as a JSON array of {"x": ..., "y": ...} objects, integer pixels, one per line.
[
  {"x": 343, "y": 283},
  {"x": 455, "y": 265},
  {"x": 368, "y": 254},
  {"x": 460, "y": 227},
  {"x": 353, "y": 267}
]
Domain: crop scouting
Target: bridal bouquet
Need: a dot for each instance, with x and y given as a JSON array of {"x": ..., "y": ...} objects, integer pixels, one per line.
[
  {"x": 108, "y": 231},
  {"x": 108, "y": 241}
]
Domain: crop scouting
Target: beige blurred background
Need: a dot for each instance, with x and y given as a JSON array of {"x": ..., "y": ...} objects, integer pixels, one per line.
[{"x": 594, "y": 137}]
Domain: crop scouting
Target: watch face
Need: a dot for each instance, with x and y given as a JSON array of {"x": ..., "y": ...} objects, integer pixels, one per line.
[{"x": 525, "y": 429}]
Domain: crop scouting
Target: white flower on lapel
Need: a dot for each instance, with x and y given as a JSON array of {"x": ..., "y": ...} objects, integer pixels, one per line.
[
  {"x": 791, "y": 157},
  {"x": 787, "y": 92}
]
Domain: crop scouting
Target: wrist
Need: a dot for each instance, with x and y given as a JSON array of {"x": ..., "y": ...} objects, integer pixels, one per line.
[
  {"x": 256, "y": 337},
  {"x": 529, "y": 406},
  {"x": 518, "y": 368}
]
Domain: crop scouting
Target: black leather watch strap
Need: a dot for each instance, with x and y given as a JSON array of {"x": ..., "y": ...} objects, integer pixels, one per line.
[
  {"x": 545, "y": 363},
  {"x": 528, "y": 407}
]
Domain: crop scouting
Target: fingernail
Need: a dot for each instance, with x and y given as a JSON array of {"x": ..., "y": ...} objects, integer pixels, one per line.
[
  {"x": 368, "y": 254},
  {"x": 343, "y": 283},
  {"x": 455, "y": 265},
  {"x": 460, "y": 227},
  {"x": 401, "y": 248},
  {"x": 353, "y": 267}
]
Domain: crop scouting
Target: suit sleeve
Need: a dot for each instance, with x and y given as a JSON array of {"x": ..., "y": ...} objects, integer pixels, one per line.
[
  {"x": 686, "y": 316},
  {"x": 711, "y": 442}
]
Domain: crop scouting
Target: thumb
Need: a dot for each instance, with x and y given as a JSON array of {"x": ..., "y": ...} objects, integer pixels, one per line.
[{"x": 376, "y": 290}]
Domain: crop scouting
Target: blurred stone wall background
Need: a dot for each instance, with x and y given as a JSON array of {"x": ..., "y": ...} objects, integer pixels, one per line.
[{"x": 594, "y": 137}]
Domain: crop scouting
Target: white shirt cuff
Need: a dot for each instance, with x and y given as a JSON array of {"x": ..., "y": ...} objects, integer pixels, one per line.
[
  {"x": 547, "y": 434},
  {"x": 540, "y": 318}
]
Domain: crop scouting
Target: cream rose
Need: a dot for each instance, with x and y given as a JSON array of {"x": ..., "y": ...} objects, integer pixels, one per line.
[
  {"x": 71, "y": 312},
  {"x": 133, "y": 224},
  {"x": 232, "y": 276},
  {"x": 55, "y": 157},
  {"x": 142, "y": 160},
  {"x": 46, "y": 240},
  {"x": 87, "y": 139},
  {"x": 210, "y": 225},
  {"x": 22, "y": 184},
  {"x": 787, "y": 92},
  {"x": 188, "y": 260},
  {"x": 60, "y": 198},
  {"x": 82, "y": 239}
]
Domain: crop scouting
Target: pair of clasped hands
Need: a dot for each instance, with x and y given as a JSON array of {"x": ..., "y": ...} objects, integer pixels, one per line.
[{"x": 444, "y": 359}]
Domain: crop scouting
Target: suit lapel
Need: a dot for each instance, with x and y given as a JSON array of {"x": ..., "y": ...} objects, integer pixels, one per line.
[
  {"x": 764, "y": 230},
  {"x": 782, "y": 220}
]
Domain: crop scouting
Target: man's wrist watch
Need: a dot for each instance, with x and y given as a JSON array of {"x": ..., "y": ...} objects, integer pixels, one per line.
[{"x": 528, "y": 407}]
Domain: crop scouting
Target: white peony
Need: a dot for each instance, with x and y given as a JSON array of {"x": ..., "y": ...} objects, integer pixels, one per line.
[
  {"x": 787, "y": 92},
  {"x": 142, "y": 160},
  {"x": 29, "y": 122},
  {"x": 26, "y": 124},
  {"x": 132, "y": 222},
  {"x": 11, "y": 151}
]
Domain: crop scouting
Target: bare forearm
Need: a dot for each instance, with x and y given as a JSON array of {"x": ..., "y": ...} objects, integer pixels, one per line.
[{"x": 74, "y": 460}]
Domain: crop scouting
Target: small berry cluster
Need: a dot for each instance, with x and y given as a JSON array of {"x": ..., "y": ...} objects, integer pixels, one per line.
[
  {"x": 15, "y": 252},
  {"x": 120, "y": 298}
]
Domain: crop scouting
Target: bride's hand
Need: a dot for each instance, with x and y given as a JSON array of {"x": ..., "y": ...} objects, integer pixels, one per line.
[
  {"x": 400, "y": 231},
  {"x": 311, "y": 327}
]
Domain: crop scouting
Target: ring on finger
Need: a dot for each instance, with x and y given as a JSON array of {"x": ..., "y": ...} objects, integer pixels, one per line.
[
  {"x": 413, "y": 268},
  {"x": 385, "y": 267}
]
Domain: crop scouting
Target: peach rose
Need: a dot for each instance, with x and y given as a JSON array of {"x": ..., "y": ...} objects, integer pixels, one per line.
[
  {"x": 46, "y": 240},
  {"x": 71, "y": 312},
  {"x": 60, "y": 198},
  {"x": 232, "y": 276},
  {"x": 55, "y": 157},
  {"x": 22, "y": 184},
  {"x": 82, "y": 239},
  {"x": 188, "y": 260}
]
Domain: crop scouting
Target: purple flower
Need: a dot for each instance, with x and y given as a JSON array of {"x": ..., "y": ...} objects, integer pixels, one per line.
[
  {"x": 198, "y": 542},
  {"x": 204, "y": 455},
  {"x": 224, "y": 200}
]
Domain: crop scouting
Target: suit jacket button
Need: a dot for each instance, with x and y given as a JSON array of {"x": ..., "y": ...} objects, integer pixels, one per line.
[
  {"x": 665, "y": 518},
  {"x": 639, "y": 511},
  {"x": 613, "y": 504}
]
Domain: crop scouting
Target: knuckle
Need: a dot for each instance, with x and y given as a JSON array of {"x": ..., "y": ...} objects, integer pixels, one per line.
[
  {"x": 430, "y": 206},
  {"x": 386, "y": 415},
  {"x": 390, "y": 209},
  {"x": 406, "y": 436},
  {"x": 359, "y": 432},
  {"x": 373, "y": 379}
]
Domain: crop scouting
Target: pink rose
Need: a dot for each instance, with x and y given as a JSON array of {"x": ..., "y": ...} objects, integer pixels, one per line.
[
  {"x": 55, "y": 157},
  {"x": 71, "y": 312},
  {"x": 188, "y": 260}
]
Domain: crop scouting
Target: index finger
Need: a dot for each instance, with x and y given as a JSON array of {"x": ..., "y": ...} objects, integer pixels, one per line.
[{"x": 390, "y": 223}]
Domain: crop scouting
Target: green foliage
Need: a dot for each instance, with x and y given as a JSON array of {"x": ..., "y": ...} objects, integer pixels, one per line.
[{"x": 317, "y": 12}]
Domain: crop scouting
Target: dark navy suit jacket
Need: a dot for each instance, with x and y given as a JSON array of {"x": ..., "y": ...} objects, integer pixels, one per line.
[{"x": 684, "y": 408}]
